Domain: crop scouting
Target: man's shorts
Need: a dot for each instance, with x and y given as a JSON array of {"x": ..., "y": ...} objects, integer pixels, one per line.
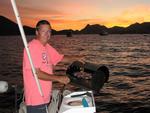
[{"x": 37, "y": 109}]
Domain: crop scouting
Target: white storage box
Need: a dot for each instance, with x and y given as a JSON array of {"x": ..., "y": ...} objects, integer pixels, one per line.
[{"x": 73, "y": 103}]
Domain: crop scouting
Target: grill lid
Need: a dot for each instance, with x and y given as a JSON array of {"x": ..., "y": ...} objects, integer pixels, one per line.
[{"x": 88, "y": 75}]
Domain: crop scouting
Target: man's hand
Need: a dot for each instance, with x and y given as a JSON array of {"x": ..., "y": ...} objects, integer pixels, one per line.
[
  {"x": 45, "y": 76},
  {"x": 38, "y": 71},
  {"x": 63, "y": 79}
]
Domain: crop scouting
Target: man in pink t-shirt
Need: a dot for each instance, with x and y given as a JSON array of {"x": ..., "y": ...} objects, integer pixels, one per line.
[{"x": 44, "y": 57}]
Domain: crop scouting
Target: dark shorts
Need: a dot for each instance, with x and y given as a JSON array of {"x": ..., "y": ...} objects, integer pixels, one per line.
[{"x": 37, "y": 109}]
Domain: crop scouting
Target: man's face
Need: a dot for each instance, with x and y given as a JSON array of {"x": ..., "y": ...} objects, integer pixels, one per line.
[{"x": 44, "y": 33}]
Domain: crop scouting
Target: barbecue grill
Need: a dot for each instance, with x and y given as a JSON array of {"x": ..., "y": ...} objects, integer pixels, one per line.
[{"x": 88, "y": 75}]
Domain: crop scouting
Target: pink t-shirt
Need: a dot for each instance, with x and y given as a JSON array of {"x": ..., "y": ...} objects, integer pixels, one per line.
[{"x": 43, "y": 57}]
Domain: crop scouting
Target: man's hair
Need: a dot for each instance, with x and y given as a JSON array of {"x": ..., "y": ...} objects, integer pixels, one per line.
[{"x": 42, "y": 22}]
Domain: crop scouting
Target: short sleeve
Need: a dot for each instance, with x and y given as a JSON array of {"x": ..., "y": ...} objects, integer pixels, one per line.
[{"x": 55, "y": 56}]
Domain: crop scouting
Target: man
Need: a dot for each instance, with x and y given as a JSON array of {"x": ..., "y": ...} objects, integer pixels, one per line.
[{"x": 44, "y": 58}]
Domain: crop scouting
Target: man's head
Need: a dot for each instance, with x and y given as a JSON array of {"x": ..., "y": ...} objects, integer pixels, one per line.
[{"x": 43, "y": 31}]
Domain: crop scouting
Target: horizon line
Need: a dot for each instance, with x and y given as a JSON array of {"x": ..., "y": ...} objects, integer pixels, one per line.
[{"x": 80, "y": 28}]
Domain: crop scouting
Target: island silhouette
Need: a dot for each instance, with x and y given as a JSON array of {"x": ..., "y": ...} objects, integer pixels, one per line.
[{"x": 8, "y": 27}]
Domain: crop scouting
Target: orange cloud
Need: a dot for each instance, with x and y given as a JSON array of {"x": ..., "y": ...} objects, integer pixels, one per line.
[
  {"x": 75, "y": 18},
  {"x": 140, "y": 13},
  {"x": 77, "y": 14},
  {"x": 61, "y": 21}
]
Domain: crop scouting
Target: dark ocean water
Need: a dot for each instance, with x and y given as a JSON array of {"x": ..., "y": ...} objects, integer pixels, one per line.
[{"x": 126, "y": 56}]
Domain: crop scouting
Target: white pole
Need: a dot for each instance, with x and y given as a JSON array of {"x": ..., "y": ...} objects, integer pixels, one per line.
[{"x": 25, "y": 44}]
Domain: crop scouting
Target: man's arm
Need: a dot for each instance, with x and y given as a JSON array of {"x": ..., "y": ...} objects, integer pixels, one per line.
[{"x": 45, "y": 76}]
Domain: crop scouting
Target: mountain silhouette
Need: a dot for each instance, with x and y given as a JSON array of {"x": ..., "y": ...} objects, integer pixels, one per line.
[
  {"x": 8, "y": 27},
  {"x": 139, "y": 28},
  {"x": 116, "y": 30},
  {"x": 136, "y": 28},
  {"x": 93, "y": 29}
]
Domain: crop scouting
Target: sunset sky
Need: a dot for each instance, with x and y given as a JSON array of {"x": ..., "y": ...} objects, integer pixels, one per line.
[{"x": 76, "y": 14}]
